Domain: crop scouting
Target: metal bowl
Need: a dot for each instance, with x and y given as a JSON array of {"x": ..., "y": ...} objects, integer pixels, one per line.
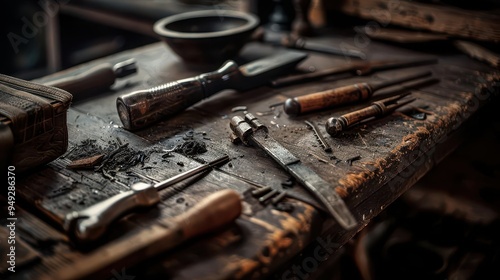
[{"x": 206, "y": 37}]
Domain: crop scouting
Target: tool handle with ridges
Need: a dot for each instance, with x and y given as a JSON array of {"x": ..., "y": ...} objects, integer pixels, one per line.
[{"x": 144, "y": 107}]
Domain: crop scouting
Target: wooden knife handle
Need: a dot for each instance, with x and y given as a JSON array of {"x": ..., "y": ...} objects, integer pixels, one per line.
[{"x": 210, "y": 214}]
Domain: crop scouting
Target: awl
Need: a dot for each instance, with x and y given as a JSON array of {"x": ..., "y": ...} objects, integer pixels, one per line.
[
  {"x": 343, "y": 95},
  {"x": 144, "y": 107},
  {"x": 335, "y": 125},
  {"x": 89, "y": 224},
  {"x": 252, "y": 132}
]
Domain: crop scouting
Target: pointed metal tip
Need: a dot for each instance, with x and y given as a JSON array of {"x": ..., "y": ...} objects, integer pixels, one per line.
[
  {"x": 403, "y": 103},
  {"x": 218, "y": 161}
]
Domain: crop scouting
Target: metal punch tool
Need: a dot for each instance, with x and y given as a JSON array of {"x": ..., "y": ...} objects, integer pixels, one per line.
[{"x": 252, "y": 132}]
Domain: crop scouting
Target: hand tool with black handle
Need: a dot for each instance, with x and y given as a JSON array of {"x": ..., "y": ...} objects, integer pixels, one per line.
[
  {"x": 382, "y": 107},
  {"x": 212, "y": 213},
  {"x": 356, "y": 68},
  {"x": 144, "y": 107},
  {"x": 95, "y": 80},
  {"x": 252, "y": 132},
  {"x": 342, "y": 95},
  {"x": 91, "y": 223}
]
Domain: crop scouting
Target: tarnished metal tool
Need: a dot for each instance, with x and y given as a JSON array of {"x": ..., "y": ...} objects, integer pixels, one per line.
[
  {"x": 379, "y": 108},
  {"x": 89, "y": 224},
  {"x": 252, "y": 132},
  {"x": 301, "y": 43},
  {"x": 343, "y": 95},
  {"x": 293, "y": 41},
  {"x": 210, "y": 214},
  {"x": 326, "y": 147},
  {"x": 356, "y": 68},
  {"x": 144, "y": 107}
]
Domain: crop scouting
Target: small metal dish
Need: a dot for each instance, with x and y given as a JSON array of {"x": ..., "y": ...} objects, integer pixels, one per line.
[{"x": 207, "y": 37}]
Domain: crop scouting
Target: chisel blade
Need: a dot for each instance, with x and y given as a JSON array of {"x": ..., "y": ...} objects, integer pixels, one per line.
[{"x": 261, "y": 71}]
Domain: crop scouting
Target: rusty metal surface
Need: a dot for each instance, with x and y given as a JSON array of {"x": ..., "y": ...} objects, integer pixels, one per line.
[{"x": 393, "y": 151}]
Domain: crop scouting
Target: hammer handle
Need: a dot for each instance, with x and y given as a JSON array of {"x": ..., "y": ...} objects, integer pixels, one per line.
[{"x": 210, "y": 214}]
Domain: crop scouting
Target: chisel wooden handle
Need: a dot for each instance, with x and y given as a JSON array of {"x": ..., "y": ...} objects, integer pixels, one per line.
[
  {"x": 328, "y": 98},
  {"x": 213, "y": 212},
  {"x": 141, "y": 108}
]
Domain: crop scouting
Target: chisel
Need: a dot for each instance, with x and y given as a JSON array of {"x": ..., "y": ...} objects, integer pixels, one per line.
[
  {"x": 211, "y": 213},
  {"x": 342, "y": 95},
  {"x": 89, "y": 224},
  {"x": 141, "y": 108},
  {"x": 356, "y": 68}
]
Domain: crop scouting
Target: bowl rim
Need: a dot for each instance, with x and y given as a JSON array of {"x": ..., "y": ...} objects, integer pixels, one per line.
[{"x": 252, "y": 22}]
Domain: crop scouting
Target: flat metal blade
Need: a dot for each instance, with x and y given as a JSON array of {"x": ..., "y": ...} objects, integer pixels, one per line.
[
  {"x": 320, "y": 189},
  {"x": 261, "y": 71}
]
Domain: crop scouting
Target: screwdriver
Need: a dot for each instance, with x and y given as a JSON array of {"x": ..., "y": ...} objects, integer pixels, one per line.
[
  {"x": 342, "y": 95},
  {"x": 89, "y": 224},
  {"x": 210, "y": 214}
]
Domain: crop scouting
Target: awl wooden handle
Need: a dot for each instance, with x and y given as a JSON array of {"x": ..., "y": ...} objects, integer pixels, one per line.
[
  {"x": 328, "y": 98},
  {"x": 210, "y": 214}
]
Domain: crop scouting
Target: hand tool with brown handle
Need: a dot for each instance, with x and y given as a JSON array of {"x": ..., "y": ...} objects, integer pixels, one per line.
[
  {"x": 211, "y": 213},
  {"x": 342, "y": 95},
  {"x": 95, "y": 80},
  {"x": 382, "y": 107},
  {"x": 144, "y": 107},
  {"x": 89, "y": 224}
]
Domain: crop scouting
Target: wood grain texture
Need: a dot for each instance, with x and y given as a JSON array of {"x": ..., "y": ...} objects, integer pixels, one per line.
[{"x": 480, "y": 25}]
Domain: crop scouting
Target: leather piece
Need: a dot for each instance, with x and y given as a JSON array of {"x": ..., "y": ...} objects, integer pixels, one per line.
[{"x": 36, "y": 116}]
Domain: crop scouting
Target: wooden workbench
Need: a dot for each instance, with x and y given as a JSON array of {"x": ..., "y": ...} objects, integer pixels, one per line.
[{"x": 395, "y": 151}]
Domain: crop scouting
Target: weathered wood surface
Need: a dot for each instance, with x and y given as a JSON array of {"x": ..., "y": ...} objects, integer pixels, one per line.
[
  {"x": 395, "y": 152},
  {"x": 481, "y": 25}
]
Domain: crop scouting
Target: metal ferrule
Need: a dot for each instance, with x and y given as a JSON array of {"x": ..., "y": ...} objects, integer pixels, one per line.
[
  {"x": 241, "y": 128},
  {"x": 254, "y": 122},
  {"x": 381, "y": 106}
]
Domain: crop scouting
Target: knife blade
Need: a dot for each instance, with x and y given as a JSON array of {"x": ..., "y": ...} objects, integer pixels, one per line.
[
  {"x": 252, "y": 132},
  {"x": 144, "y": 107}
]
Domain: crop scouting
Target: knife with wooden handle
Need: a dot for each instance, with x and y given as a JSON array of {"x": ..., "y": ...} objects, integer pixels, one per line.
[
  {"x": 211, "y": 213},
  {"x": 90, "y": 224}
]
